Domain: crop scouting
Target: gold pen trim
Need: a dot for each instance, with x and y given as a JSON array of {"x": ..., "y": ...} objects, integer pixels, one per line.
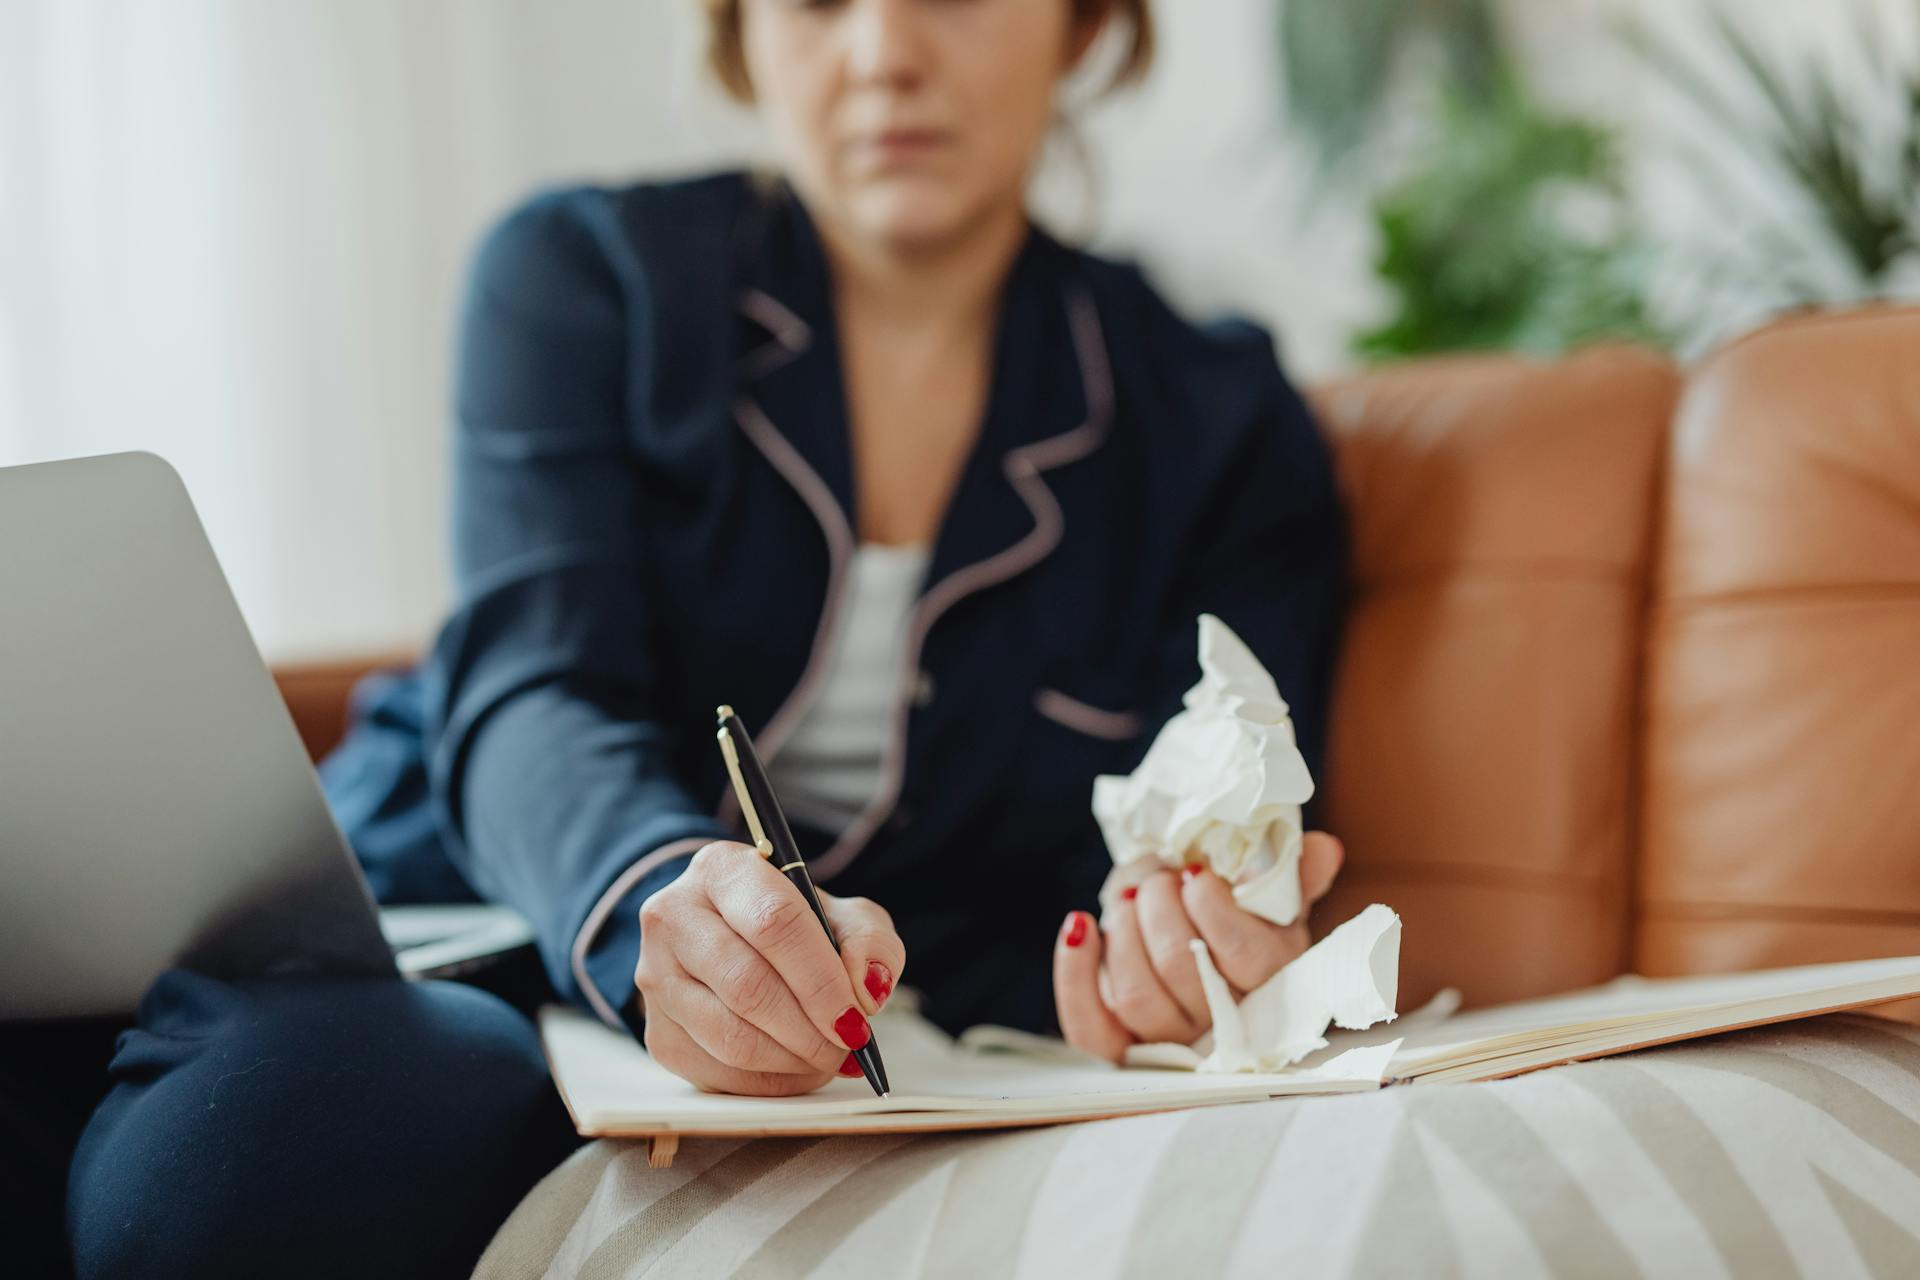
[
  {"x": 732, "y": 758},
  {"x": 791, "y": 865}
]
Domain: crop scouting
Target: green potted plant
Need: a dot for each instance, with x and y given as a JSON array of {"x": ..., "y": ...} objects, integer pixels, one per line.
[{"x": 1505, "y": 225}]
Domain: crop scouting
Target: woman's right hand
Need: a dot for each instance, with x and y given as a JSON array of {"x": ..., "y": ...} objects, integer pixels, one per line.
[{"x": 741, "y": 988}]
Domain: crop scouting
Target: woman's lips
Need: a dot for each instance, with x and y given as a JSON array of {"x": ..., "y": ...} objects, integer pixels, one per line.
[{"x": 904, "y": 144}]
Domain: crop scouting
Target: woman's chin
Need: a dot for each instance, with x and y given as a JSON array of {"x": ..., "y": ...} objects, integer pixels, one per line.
[{"x": 911, "y": 215}]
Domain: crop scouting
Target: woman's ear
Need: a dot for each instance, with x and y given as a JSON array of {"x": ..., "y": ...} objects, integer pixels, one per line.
[{"x": 1087, "y": 25}]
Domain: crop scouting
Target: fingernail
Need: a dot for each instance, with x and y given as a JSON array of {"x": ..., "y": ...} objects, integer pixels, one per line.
[
  {"x": 848, "y": 1067},
  {"x": 852, "y": 1028},
  {"x": 1076, "y": 932},
  {"x": 1188, "y": 873},
  {"x": 1129, "y": 891},
  {"x": 879, "y": 981}
]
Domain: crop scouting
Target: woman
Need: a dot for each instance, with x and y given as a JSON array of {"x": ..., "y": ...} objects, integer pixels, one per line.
[{"x": 931, "y": 499}]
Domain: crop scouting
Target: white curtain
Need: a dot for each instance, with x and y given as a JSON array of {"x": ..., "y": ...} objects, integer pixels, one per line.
[{"x": 233, "y": 233}]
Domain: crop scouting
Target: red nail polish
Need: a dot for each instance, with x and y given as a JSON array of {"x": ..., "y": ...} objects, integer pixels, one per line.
[
  {"x": 1129, "y": 891},
  {"x": 1076, "y": 928},
  {"x": 1188, "y": 873},
  {"x": 852, "y": 1028},
  {"x": 879, "y": 981},
  {"x": 848, "y": 1067}
]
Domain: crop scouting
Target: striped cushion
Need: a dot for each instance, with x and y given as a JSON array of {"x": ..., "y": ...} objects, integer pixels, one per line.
[{"x": 1776, "y": 1151}]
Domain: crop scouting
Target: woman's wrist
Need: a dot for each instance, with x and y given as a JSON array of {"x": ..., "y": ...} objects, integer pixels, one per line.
[{"x": 607, "y": 948}]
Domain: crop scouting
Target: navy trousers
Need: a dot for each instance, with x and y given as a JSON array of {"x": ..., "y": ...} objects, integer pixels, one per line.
[{"x": 311, "y": 1127}]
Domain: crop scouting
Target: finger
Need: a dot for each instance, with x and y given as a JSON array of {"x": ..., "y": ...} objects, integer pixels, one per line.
[
  {"x": 765, "y": 909},
  {"x": 1321, "y": 857},
  {"x": 749, "y": 987},
  {"x": 727, "y": 1037},
  {"x": 1246, "y": 949},
  {"x": 1142, "y": 1004},
  {"x": 672, "y": 1047},
  {"x": 1085, "y": 1020},
  {"x": 1167, "y": 931},
  {"x": 870, "y": 950}
]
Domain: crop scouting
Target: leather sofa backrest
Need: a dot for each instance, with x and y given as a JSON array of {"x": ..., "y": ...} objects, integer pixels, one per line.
[
  {"x": 1781, "y": 814},
  {"x": 1479, "y": 765},
  {"x": 317, "y": 695}
]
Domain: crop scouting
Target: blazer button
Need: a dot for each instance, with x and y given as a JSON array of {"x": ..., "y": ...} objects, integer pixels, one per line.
[{"x": 923, "y": 689}]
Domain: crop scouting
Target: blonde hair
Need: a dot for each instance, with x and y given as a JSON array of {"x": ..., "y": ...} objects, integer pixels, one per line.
[{"x": 727, "y": 57}]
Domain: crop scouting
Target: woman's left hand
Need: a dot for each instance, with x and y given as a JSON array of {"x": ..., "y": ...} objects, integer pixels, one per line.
[{"x": 1135, "y": 981}]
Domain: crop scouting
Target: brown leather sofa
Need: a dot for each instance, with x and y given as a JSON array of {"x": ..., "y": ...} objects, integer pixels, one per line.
[{"x": 1632, "y": 676}]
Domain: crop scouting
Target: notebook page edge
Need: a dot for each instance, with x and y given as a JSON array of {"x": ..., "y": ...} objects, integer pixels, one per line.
[{"x": 1584, "y": 1042}]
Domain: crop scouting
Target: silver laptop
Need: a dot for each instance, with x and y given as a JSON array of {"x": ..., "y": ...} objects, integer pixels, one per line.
[{"x": 156, "y": 805}]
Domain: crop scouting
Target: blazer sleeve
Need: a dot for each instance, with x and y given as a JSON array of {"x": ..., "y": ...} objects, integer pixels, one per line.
[{"x": 551, "y": 770}]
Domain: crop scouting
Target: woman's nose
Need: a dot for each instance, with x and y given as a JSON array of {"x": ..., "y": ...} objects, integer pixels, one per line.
[{"x": 885, "y": 43}]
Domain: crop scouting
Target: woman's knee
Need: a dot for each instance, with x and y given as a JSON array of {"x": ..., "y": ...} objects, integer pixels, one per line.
[{"x": 312, "y": 1127}]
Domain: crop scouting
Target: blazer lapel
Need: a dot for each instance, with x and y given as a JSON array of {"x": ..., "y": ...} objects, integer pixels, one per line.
[
  {"x": 1050, "y": 401},
  {"x": 1050, "y": 404},
  {"x": 997, "y": 523},
  {"x": 789, "y": 346}
]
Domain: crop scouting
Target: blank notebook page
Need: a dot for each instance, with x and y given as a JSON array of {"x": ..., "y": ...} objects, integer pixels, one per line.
[{"x": 613, "y": 1087}]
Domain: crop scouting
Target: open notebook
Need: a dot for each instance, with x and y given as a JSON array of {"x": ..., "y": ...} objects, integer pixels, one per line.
[
  {"x": 613, "y": 1088},
  {"x": 993, "y": 1078}
]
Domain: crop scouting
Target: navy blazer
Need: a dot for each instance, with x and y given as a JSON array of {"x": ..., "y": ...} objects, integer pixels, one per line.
[{"x": 653, "y": 515}]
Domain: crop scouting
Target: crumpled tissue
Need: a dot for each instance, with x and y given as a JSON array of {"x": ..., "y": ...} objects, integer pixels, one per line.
[
  {"x": 1350, "y": 978},
  {"x": 1221, "y": 786}
]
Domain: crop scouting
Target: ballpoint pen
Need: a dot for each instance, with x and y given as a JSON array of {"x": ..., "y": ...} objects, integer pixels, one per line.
[{"x": 774, "y": 839}]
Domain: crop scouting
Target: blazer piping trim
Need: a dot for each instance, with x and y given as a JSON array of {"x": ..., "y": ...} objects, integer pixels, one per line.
[
  {"x": 597, "y": 920},
  {"x": 793, "y": 468},
  {"x": 789, "y": 335},
  {"x": 1095, "y": 722}
]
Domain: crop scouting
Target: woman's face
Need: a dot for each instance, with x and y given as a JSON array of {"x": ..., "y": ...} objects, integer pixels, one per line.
[{"x": 906, "y": 121}]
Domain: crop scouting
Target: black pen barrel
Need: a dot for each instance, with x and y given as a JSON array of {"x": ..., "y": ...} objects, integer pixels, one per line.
[{"x": 787, "y": 860}]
